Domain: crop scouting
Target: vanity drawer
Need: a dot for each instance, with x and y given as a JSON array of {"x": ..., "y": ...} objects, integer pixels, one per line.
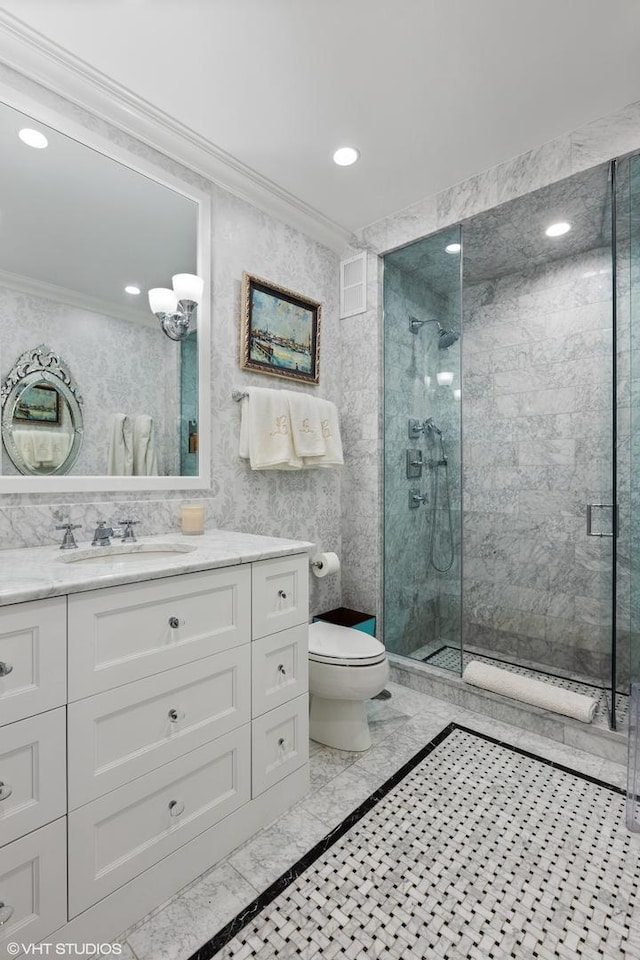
[
  {"x": 121, "y": 634},
  {"x": 279, "y": 743},
  {"x": 123, "y": 833},
  {"x": 280, "y": 668},
  {"x": 32, "y": 885},
  {"x": 33, "y": 655},
  {"x": 122, "y": 734},
  {"x": 32, "y": 774},
  {"x": 280, "y": 594}
]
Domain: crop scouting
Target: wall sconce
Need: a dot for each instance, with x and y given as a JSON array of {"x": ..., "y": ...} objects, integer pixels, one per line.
[
  {"x": 174, "y": 308},
  {"x": 445, "y": 378}
]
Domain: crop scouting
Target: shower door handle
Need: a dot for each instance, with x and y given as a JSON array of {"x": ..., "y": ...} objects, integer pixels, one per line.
[{"x": 602, "y": 506}]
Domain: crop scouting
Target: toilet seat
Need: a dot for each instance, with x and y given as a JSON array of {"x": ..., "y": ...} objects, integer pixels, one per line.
[{"x": 339, "y": 646}]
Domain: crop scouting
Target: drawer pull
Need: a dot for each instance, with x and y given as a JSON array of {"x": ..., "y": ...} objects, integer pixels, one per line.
[
  {"x": 176, "y": 807},
  {"x": 6, "y": 912},
  {"x": 175, "y": 715},
  {"x": 281, "y": 742},
  {"x": 5, "y": 668},
  {"x": 281, "y": 669},
  {"x": 282, "y": 594},
  {"x": 174, "y": 623},
  {"x": 5, "y": 790}
]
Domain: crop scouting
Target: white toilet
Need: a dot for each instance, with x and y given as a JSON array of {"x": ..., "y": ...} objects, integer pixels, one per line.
[{"x": 346, "y": 667}]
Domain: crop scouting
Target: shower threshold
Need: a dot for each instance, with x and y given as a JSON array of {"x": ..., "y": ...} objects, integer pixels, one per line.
[{"x": 447, "y": 657}]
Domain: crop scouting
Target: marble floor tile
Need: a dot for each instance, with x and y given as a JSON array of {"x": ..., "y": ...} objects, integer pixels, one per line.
[
  {"x": 341, "y": 781},
  {"x": 193, "y": 917}
]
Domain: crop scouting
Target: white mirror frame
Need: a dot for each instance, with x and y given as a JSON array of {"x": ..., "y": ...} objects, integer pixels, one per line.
[{"x": 69, "y": 483}]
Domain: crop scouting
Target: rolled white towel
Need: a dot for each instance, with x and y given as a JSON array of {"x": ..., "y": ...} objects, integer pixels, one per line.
[{"x": 528, "y": 690}]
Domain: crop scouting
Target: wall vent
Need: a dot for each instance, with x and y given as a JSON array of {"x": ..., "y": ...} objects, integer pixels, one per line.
[{"x": 353, "y": 285}]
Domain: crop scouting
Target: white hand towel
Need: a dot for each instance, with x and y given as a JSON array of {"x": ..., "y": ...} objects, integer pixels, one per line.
[
  {"x": 145, "y": 463},
  {"x": 306, "y": 425},
  {"x": 43, "y": 445},
  {"x": 265, "y": 431},
  {"x": 23, "y": 440},
  {"x": 120, "y": 456},
  {"x": 330, "y": 426}
]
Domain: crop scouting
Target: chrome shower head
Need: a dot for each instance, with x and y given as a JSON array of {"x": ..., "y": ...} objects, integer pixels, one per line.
[{"x": 445, "y": 337}]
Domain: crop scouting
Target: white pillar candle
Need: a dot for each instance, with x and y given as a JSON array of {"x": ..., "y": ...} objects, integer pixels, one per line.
[{"x": 192, "y": 517}]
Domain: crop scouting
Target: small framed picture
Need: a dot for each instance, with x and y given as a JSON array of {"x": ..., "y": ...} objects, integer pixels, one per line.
[
  {"x": 280, "y": 332},
  {"x": 38, "y": 404}
]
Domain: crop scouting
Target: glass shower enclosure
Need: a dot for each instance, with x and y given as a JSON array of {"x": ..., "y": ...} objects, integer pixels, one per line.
[{"x": 505, "y": 345}]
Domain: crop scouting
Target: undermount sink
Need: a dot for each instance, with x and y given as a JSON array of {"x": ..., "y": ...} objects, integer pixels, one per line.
[{"x": 128, "y": 553}]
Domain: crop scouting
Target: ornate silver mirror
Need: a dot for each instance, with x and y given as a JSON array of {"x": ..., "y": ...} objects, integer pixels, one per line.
[{"x": 42, "y": 427}]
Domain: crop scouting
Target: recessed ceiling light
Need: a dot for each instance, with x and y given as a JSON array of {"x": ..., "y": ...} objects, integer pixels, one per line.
[
  {"x": 558, "y": 229},
  {"x": 132, "y": 289},
  {"x": 33, "y": 138},
  {"x": 345, "y": 156},
  {"x": 453, "y": 248}
]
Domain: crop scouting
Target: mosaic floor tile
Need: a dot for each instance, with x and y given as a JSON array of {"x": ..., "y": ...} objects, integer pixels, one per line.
[
  {"x": 448, "y": 658},
  {"x": 474, "y": 850}
]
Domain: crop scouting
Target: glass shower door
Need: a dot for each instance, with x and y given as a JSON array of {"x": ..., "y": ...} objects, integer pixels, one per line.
[{"x": 422, "y": 452}]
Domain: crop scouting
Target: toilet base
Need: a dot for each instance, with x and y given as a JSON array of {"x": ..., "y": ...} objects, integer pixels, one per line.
[{"x": 341, "y": 724}]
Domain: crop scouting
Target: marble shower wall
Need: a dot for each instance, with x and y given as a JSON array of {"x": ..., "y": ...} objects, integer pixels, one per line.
[
  {"x": 304, "y": 505},
  {"x": 537, "y": 408},
  {"x": 119, "y": 366}
]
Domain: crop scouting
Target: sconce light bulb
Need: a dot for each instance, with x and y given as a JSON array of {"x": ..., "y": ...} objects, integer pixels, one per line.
[
  {"x": 187, "y": 286},
  {"x": 162, "y": 300},
  {"x": 444, "y": 378}
]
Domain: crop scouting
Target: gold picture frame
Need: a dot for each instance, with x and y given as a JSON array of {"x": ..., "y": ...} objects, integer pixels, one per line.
[{"x": 280, "y": 333}]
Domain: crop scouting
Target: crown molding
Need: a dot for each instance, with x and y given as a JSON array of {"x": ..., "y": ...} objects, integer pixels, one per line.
[
  {"x": 41, "y": 60},
  {"x": 74, "y": 298}
]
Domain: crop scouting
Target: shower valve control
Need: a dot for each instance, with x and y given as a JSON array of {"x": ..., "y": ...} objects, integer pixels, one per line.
[
  {"x": 415, "y": 499},
  {"x": 415, "y": 464},
  {"x": 416, "y": 429}
]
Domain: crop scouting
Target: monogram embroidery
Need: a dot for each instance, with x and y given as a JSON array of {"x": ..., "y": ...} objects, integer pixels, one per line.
[
  {"x": 326, "y": 432},
  {"x": 304, "y": 426},
  {"x": 281, "y": 429}
]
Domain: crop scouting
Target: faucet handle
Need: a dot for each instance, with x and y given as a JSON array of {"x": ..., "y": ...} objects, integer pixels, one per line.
[
  {"x": 128, "y": 536},
  {"x": 68, "y": 541}
]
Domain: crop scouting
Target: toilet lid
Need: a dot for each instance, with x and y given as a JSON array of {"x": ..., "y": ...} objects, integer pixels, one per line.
[{"x": 330, "y": 642}]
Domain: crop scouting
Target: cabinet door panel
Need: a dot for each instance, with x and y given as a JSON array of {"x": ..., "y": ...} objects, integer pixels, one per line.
[
  {"x": 280, "y": 594},
  {"x": 33, "y": 655}
]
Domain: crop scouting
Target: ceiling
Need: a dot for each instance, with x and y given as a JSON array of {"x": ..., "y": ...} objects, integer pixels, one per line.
[{"x": 430, "y": 91}]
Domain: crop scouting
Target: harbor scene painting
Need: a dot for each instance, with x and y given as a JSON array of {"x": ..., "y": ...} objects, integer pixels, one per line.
[{"x": 280, "y": 331}]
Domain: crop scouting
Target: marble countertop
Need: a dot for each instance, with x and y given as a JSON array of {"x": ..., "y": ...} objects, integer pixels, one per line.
[{"x": 34, "y": 573}]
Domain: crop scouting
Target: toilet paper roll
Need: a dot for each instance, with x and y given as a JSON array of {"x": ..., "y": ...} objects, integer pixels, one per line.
[{"x": 326, "y": 563}]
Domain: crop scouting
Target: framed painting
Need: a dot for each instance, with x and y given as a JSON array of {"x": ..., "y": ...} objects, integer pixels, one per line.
[
  {"x": 280, "y": 332},
  {"x": 39, "y": 403}
]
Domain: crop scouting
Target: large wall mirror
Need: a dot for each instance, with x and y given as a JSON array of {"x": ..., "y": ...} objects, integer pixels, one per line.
[{"x": 94, "y": 395}]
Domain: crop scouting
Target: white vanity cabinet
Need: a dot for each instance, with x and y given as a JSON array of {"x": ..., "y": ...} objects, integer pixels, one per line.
[{"x": 183, "y": 704}]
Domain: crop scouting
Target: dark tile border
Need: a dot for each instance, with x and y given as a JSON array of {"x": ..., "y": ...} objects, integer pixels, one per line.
[{"x": 228, "y": 932}]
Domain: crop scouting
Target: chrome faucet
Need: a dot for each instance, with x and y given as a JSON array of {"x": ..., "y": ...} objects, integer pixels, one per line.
[
  {"x": 102, "y": 535},
  {"x": 68, "y": 541}
]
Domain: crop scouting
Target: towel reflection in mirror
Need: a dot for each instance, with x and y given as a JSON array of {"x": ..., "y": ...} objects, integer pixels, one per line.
[{"x": 132, "y": 451}]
